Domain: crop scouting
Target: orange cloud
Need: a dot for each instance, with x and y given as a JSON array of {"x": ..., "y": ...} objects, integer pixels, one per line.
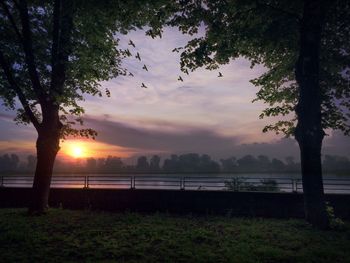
[{"x": 80, "y": 148}]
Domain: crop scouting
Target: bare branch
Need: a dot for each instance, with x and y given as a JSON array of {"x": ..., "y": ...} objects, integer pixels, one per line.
[{"x": 13, "y": 85}]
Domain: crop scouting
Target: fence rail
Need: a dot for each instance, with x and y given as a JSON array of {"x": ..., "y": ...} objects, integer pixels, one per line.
[{"x": 225, "y": 183}]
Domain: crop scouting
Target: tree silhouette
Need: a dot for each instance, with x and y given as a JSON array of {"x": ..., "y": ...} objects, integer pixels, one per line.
[
  {"x": 229, "y": 165},
  {"x": 113, "y": 164},
  {"x": 191, "y": 163},
  {"x": 142, "y": 164},
  {"x": 208, "y": 165},
  {"x": 31, "y": 163},
  {"x": 264, "y": 162},
  {"x": 277, "y": 165},
  {"x": 51, "y": 54},
  {"x": 336, "y": 163},
  {"x": 9, "y": 163},
  {"x": 171, "y": 165},
  {"x": 154, "y": 163},
  {"x": 91, "y": 165},
  {"x": 247, "y": 163},
  {"x": 304, "y": 46}
]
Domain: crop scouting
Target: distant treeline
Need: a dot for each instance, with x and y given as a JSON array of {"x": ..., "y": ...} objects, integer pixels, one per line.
[{"x": 184, "y": 163}]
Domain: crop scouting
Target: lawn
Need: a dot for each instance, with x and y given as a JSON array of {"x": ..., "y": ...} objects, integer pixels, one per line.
[{"x": 85, "y": 236}]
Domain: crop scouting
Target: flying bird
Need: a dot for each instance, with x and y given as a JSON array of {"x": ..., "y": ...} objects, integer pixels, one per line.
[
  {"x": 138, "y": 56},
  {"x": 186, "y": 71},
  {"x": 131, "y": 43},
  {"x": 128, "y": 53},
  {"x": 220, "y": 75},
  {"x": 145, "y": 68},
  {"x": 180, "y": 79},
  {"x": 144, "y": 86},
  {"x": 130, "y": 74},
  {"x": 177, "y": 49}
]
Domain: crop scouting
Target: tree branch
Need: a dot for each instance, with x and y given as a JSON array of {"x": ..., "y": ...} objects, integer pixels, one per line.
[
  {"x": 55, "y": 31},
  {"x": 28, "y": 49},
  {"x": 291, "y": 14},
  {"x": 12, "y": 21},
  {"x": 13, "y": 85},
  {"x": 62, "y": 30}
]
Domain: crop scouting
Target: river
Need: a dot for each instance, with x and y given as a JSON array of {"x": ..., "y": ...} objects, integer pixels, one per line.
[{"x": 333, "y": 183}]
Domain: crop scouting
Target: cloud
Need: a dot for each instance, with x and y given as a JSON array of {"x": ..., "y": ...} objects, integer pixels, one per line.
[
  {"x": 154, "y": 138},
  {"x": 204, "y": 114},
  {"x": 202, "y": 99},
  {"x": 10, "y": 131},
  {"x": 175, "y": 139},
  {"x": 164, "y": 138},
  {"x": 5, "y": 116}
]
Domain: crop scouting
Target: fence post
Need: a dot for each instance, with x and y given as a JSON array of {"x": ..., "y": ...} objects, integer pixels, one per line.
[
  {"x": 294, "y": 186},
  {"x": 182, "y": 183},
  {"x": 236, "y": 185},
  {"x": 133, "y": 182},
  {"x": 86, "y": 181}
]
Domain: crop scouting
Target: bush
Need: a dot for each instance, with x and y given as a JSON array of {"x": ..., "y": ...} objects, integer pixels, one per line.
[
  {"x": 239, "y": 183},
  {"x": 335, "y": 222}
]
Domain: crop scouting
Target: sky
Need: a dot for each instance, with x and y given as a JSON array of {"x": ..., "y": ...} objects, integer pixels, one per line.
[{"x": 203, "y": 114}]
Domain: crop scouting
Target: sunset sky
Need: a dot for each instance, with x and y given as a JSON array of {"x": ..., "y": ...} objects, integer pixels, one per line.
[{"x": 203, "y": 114}]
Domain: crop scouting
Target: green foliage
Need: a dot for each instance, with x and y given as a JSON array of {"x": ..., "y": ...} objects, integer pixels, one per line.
[
  {"x": 267, "y": 33},
  {"x": 240, "y": 184},
  {"x": 335, "y": 222},
  {"x": 90, "y": 52},
  {"x": 236, "y": 183},
  {"x": 85, "y": 236}
]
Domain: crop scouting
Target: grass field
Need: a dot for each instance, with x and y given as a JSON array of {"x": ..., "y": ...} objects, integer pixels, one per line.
[{"x": 84, "y": 236}]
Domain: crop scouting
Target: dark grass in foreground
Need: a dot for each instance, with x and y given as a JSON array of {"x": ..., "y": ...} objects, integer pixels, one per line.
[{"x": 73, "y": 236}]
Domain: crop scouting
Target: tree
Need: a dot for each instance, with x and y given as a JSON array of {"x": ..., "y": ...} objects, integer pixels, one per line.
[
  {"x": 91, "y": 165},
  {"x": 113, "y": 164},
  {"x": 51, "y": 54},
  {"x": 142, "y": 164},
  {"x": 277, "y": 165},
  {"x": 304, "y": 46},
  {"x": 291, "y": 165},
  {"x": 154, "y": 163},
  {"x": 229, "y": 164},
  {"x": 247, "y": 163},
  {"x": 9, "y": 163},
  {"x": 207, "y": 165},
  {"x": 264, "y": 162},
  {"x": 172, "y": 164},
  {"x": 31, "y": 163},
  {"x": 334, "y": 163}
]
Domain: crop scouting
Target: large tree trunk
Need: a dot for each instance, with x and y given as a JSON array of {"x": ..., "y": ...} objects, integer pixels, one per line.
[
  {"x": 309, "y": 132},
  {"x": 47, "y": 147}
]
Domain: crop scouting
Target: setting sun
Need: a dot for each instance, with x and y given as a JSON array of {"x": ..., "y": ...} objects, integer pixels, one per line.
[
  {"x": 77, "y": 151},
  {"x": 88, "y": 148}
]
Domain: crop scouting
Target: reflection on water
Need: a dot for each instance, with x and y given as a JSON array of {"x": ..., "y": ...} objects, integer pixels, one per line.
[{"x": 233, "y": 182}]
